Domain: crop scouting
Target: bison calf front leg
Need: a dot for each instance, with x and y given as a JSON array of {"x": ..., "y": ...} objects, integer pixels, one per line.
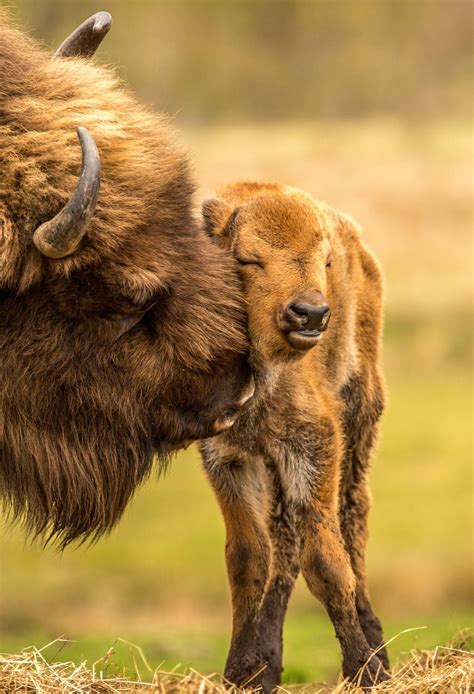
[
  {"x": 248, "y": 559},
  {"x": 327, "y": 570},
  {"x": 285, "y": 569},
  {"x": 241, "y": 491}
]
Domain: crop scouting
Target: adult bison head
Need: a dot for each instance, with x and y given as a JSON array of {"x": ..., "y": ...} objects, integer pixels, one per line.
[{"x": 122, "y": 330}]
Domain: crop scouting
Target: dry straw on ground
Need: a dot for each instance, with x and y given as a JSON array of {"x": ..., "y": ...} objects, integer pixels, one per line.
[{"x": 447, "y": 669}]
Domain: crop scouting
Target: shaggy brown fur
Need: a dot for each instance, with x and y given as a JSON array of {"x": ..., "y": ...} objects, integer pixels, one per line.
[
  {"x": 291, "y": 475},
  {"x": 128, "y": 347}
]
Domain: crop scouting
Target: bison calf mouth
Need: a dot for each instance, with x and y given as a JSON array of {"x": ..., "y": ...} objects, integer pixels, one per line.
[{"x": 303, "y": 340}]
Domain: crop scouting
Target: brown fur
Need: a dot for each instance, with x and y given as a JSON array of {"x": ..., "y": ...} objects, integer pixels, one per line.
[
  {"x": 132, "y": 345},
  {"x": 291, "y": 475}
]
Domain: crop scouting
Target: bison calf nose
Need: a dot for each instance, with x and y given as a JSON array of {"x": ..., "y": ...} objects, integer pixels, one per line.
[{"x": 308, "y": 316}]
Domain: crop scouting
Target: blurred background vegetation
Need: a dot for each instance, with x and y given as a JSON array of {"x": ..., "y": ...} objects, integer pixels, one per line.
[
  {"x": 255, "y": 60},
  {"x": 367, "y": 105}
]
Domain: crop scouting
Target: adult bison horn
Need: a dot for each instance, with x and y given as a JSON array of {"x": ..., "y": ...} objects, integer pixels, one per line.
[
  {"x": 61, "y": 235},
  {"x": 86, "y": 39}
]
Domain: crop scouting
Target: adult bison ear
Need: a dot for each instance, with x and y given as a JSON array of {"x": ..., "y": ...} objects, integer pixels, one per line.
[{"x": 218, "y": 217}]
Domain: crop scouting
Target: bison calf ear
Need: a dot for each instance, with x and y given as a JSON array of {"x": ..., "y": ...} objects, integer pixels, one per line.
[{"x": 216, "y": 213}]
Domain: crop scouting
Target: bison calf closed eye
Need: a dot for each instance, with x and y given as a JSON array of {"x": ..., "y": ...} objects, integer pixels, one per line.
[{"x": 291, "y": 475}]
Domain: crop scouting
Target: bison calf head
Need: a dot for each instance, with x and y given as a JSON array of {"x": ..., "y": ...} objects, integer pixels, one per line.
[
  {"x": 122, "y": 327},
  {"x": 281, "y": 239}
]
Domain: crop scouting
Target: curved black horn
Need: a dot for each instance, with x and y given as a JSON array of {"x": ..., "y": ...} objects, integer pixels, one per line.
[
  {"x": 86, "y": 39},
  {"x": 61, "y": 235}
]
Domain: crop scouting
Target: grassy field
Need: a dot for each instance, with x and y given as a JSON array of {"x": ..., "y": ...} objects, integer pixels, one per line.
[{"x": 159, "y": 579}]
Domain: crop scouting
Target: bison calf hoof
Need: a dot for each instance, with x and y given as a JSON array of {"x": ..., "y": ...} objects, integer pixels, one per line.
[{"x": 370, "y": 674}]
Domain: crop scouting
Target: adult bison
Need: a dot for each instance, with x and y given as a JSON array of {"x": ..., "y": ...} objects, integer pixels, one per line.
[{"x": 122, "y": 333}]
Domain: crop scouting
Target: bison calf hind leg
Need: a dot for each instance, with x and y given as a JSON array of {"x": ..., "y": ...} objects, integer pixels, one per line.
[
  {"x": 360, "y": 434},
  {"x": 327, "y": 570}
]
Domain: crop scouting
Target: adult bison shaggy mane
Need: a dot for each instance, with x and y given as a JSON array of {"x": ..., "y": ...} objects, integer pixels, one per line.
[{"x": 122, "y": 330}]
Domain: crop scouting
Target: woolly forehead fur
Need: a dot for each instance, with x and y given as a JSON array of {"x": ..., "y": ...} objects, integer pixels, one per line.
[
  {"x": 279, "y": 215},
  {"x": 42, "y": 101}
]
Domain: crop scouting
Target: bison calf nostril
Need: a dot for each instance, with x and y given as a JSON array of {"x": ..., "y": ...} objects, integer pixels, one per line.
[
  {"x": 298, "y": 313},
  {"x": 299, "y": 309}
]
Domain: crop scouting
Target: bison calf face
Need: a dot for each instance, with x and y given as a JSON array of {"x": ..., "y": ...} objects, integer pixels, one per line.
[{"x": 282, "y": 244}]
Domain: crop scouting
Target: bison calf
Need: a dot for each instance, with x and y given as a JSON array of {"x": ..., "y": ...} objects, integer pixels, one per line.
[{"x": 291, "y": 475}]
